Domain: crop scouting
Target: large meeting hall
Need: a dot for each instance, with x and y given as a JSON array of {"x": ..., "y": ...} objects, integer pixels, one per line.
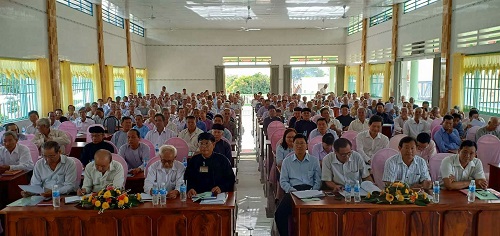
[{"x": 249, "y": 117}]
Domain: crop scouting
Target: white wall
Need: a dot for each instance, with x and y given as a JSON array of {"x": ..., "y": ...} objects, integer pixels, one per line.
[
  {"x": 186, "y": 58},
  {"x": 379, "y": 37},
  {"x": 115, "y": 45},
  {"x": 138, "y": 48},
  {"x": 24, "y": 29},
  {"x": 353, "y": 46}
]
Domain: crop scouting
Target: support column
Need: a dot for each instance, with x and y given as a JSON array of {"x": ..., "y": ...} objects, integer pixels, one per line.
[
  {"x": 445, "y": 52},
  {"x": 362, "y": 77},
  {"x": 340, "y": 80},
  {"x": 133, "y": 86},
  {"x": 393, "y": 90},
  {"x": 55, "y": 79},
  {"x": 414, "y": 79},
  {"x": 100, "y": 51}
]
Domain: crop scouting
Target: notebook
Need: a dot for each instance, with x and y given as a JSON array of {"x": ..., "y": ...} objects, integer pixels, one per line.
[
  {"x": 484, "y": 194},
  {"x": 220, "y": 199},
  {"x": 203, "y": 196},
  {"x": 12, "y": 172},
  {"x": 308, "y": 194}
]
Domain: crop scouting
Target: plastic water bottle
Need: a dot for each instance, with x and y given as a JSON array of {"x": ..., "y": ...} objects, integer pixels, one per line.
[
  {"x": 435, "y": 192},
  {"x": 56, "y": 196},
  {"x": 163, "y": 194},
  {"x": 471, "y": 195},
  {"x": 157, "y": 149},
  {"x": 154, "y": 193},
  {"x": 23, "y": 130},
  {"x": 357, "y": 195},
  {"x": 184, "y": 162},
  {"x": 183, "y": 190},
  {"x": 348, "y": 189}
]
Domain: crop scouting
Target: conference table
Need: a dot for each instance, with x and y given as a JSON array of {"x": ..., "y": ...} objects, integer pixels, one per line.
[
  {"x": 452, "y": 216},
  {"x": 176, "y": 218},
  {"x": 9, "y": 189}
]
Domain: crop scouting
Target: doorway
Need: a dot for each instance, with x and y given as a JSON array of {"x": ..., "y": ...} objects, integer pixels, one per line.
[
  {"x": 416, "y": 80},
  {"x": 306, "y": 81}
]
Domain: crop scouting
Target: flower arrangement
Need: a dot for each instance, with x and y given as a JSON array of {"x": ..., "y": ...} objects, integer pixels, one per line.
[
  {"x": 398, "y": 193},
  {"x": 111, "y": 198}
]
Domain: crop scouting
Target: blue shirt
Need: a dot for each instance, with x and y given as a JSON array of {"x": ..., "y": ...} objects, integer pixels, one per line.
[
  {"x": 315, "y": 133},
  {"x": 445, "y": 141},
  {"x": 295, "y": 172},
  {"x": 200, "y": 124},
  {"x": 281, "y": 153},
  {"x": 460, "y": 129},
  {"x": 142, "y": 131}
]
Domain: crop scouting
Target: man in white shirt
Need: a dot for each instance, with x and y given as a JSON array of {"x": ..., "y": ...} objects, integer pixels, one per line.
[
  {"x": 46, "y": 133},
  {"x": 159, "y": 135},
  {"x": 370, "y": 141},
  {"x": 33, "y": 117},
  {"x": 54, "y": 123},
  {"x": 14, "y": 156},
  {"x": 323, "y": 91},
  {"x": 167, "y": 170},
  {"x": 101, "y": 172},
  {"x": 415, "y": 126},
  {"x": 82, "y": 123},
  {"x": 361, "y": 123},
  {"x": 400, "y": 121},
  {"x": 190, "y": 134}
]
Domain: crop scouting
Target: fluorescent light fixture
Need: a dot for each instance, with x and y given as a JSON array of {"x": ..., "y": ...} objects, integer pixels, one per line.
[
  {"x": 223, "y": 12},
  {"x": 315, "y": 12}
]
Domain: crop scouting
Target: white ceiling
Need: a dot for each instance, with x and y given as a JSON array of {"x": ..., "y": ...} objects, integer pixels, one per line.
[{"x": 231, "y": 14}]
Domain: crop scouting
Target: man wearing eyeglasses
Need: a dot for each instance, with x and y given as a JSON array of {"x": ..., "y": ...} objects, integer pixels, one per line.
[
  {"x": 167, "y": 170},
  {"x": 208, "y": 171},
  {"x": 54, "y": 169},
  {"x": 343, "y": 165},
  {"x": 102, "y": 172},
  {"x": 89, "y": 150}
]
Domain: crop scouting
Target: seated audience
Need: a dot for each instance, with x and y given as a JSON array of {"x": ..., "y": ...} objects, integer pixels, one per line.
[
  {"x": 490, "y": 128},
  {"x": 167, "y": 170},
  {"x": 139, "y": 126},
  {"x": 53, "y": 169},
  {"x": 272, "y": 117},
  {"x": 407, "y": 167},
  {"x": 332, "y": 123},
  {"x": 343, "y": 165},
  {"x": 400, "y": 121},
  {"x": 458, "y": 170},
  {"x": 89, "y": 150},
  {"x": 228, "y": 122},
  {"x": 447, "y": 138},
  {"x": 380, "y": 111},
  {"x": 320, "y": 150},
  {"x": 159, "y": 135},
  {"x": 33, "y": 117},
  {"x": 120, "y": 137},
  {"x": 134, "y": 152},
  {"x": 190, "y": 134},
  {"x": 322, "y": 129},
  {"x": 101, "y": 172},
  {"x": 286, "y": 146},
  {"x": 82, "y": 123},
  {"x": 99, "y": 116},
  {"x": 426, "y": 148},
  {"x": 221, "y": 146},
  {"x": 368, "y": 142},
  {"x": 54, "y": 124},
  {"x": 219, "y": 120},
  {"x": 297, "y": 111},
  {"x": 360, "y": 123},
  {"x": 71, "y": 115},
  {"x": 345, "y": 118},
  {"x": 473, "y": 115},
  {"x": 14, "y": 156},
  {"x": 305, "y": 125},
  {"x": 14, "y": 128},
  {"x": 416, "y": 125},
  {"x": 457, "y": 124},
  {"x": 46, "y": 133}
]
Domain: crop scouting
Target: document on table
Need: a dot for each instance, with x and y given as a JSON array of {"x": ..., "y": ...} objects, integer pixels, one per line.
[
  {"x": 72, "y": 199},
  {"x": 28, "y": 201},
  {"x": 366, "y": 187},
  {"x": 146, "y": 197},
  {"x": 308, "y": 194},
  {"x": 220, "y": 199},
  {"x": 203, "y": 196},
  {"x": 32, "y": 189}
]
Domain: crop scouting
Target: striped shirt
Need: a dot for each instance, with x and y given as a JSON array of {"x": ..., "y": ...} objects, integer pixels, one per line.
[
  {"x": 354, "y": 169},
  {"x": 396, "y": 170},
  {"x": 64, "y": 175}
]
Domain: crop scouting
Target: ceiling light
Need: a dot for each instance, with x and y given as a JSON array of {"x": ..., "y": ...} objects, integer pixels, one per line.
[
  {"x": 223, "y": 12},
  {"x": 315, "y": 12}
]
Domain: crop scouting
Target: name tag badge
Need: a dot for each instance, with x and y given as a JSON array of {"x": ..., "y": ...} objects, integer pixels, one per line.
[{"x": 203, "y": 169}]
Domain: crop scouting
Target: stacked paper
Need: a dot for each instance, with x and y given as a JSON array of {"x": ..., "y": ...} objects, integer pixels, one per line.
[
  {"x": 308, "y": 194},
  {"x": 220, "y": 199}
]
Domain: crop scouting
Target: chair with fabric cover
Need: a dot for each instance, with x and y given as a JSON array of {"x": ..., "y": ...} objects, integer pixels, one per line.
[
  {"x": 274, "y": 126},
  {"x": 110, "y": 124},
  {"x": 435, "y": 165},
  {"x": 153, "y": 160},
  {"x": 351, "y": 136},
  {"x": 150, "y": 126},
  {"x": 67, "y": 148},
  {"x": 79, "y": 170},
  {"x": 275, "y": 137},
  {"x": 114, "y": 146},
  {"x": 122, "y": 161},
  {"x": 181, "y": 146},
  {"x": 29, "y": 137},
  {"x": 394, "y": 141},
  {"x": 152, "y": 151},
  {"x": 35, "y": 154},
  {"x": 471, "y": 133},
  {"x": 69, "y": 127},
  {"x": 434, "y": 130},
  {"x": 312, "y": 142},
  {"x": 436, "y": 122},
  {"x": 88, "y": 134},
  {"x": 488, "y": 151},
  {"x": 378, "y": 164},
  {"x": 315, "y": 118}
]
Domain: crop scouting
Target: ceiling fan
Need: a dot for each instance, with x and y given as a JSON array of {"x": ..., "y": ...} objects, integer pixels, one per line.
[
  {"x": 246, "y": 29},
  {"x": 325, "y": 28},
  {"x": 344, "y": 15},
  {"x": 152, "y": 17}
]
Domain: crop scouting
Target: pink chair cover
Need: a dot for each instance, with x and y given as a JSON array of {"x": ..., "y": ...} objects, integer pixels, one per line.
[
  {"x": 488, "y": 151},
  {"x": 89, "y": 137},
  {"x": 122, "y": 161},
  {"x": 471, "y": 133},
  {"x": 152, "y": 151},
  {"x": 275, "y": 137},
  {"x": 30, "y": 137},
  {"x": 435, "y": 165},
  {"x": 35, "y": 154},
  {"x": 149, "y": 125},
  {"x": 114, "y": 146},
  {"x": 70, "y": 127},
  {"x": 181, "y": 146},
  {"x": 313, "y": 142},
  {"x": 155, "y": 159},
  {"x": 79, "y": 170},
  {"x": 378, "y": 164},
  {"x": 315, "y": 118},
  {"x": 67, "y": 148},
  {"x": 434, "y": 130},
  {"x": 394, "y": 141},
  {"x": 436, "y": 122},
  {"x": 274, "y": 126},
  {"x": 351, "y": 136}
]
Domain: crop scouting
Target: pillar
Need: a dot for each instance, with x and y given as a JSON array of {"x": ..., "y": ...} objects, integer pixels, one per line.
[
  {"x": 55, "y": 80},
  {"x": 414, "y": 79}
]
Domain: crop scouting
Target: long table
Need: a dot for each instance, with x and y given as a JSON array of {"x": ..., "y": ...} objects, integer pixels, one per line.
[
  {"x": 176, "y": 218},
  {"x": 9, "y": 189},
  {"x": 452, "y": 216}
]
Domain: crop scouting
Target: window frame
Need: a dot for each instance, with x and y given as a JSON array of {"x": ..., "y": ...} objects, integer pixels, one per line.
[
  {"x": 80, "y": 5},
  {"x": 27, "y": 94},
  {"x": 87, "y": 89},
  {"x": 376, "y": 81},
  {"x": 477, "y": 87}
]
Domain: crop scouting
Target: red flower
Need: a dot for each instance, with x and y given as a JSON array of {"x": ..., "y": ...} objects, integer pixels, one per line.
[
  {"x": 109, "y": 188},
  {"x": 109, "y": 200},
  {"x": 121, "y": 197}
]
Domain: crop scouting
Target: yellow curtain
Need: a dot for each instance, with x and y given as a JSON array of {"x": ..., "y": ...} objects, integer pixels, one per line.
[
  {"x": 133, "y": 80},
  {"x": 143, "y": 73},
  {"x": 43, "y": 76},
  {"x": 481, "y": 62},
  {"x": 126, "y": 78},
  {"x": 457, "y": 80},
  {"x": 356, "y": 72},
  {"x": 346, "y": 78},
  {"x": 111, "y": 82},
  {"x": 96, "y": 82},
  {"x": 66, "y": 85},
  {"x": 18, "y": 68},
  {"x": 122, "y": 73},
  {"x": 387, "y": 81},
  {"x": 366, "y": 78}
]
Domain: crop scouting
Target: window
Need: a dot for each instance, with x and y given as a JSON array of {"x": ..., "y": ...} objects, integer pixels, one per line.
[
  {"x": 355, "y": 24},
  {"x": 412, "y": 5},
  {"x": 246, "y": 61},
  {"x": 351, "y": 84},
  {"x": 136, "y": 25},
  {"x": 376, "y": 85},
  {"x": 18, "y": 90},
  {"x": 140, "y": 85},
  {"x": 111, "y": 14},
  {"x": 119, "y": 87},
  {"x": 486, "y": 36},
  {"x": 83, "y": 91},
  {"x": 79, "y": 5},
  {"x": 381, "y": 17},
  {"x": 313, "y": 60},
  {"x": 482, "y": 90}
]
